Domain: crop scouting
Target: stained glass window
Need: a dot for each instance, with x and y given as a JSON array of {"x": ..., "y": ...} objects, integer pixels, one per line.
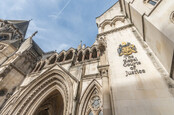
[
  {"x": 100, "y": 113},
  {"x": 96, "y": 102},
  {"x": 90, "y": 113}
]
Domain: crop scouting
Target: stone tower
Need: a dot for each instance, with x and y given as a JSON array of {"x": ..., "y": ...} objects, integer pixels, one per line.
[{"x": 128, "y": 70}]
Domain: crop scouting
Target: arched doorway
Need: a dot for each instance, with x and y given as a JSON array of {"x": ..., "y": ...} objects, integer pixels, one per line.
[{"x": 51, "y": 105}]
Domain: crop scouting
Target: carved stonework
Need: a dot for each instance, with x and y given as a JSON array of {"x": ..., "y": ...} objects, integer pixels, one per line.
[
  {"x": 104, "y": 72},
  {"x": 112, "y": 21},
  {"x": 172, "y": 17},
  {"x": 102, "y": 44},
  {"x": 95, "y": 104},
  {"x": 2, "y": 46},
  {"x": 6, "y": 27}
]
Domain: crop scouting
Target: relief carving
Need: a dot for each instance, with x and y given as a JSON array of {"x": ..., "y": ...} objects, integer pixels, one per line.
[{"x": 9, "y": 28}]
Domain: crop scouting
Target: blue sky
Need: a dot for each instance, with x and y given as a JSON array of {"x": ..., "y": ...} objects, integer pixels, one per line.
[{"x": 61, "y": 23}]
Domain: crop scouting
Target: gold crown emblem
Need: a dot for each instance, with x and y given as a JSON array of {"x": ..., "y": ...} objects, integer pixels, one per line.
[{"x": 126, "y": 49}]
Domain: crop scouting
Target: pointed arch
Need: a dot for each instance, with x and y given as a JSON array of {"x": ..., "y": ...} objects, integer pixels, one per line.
[
  {"x": 122, "y": 19},
  {"x": 94, "y": 53},
  {"x": 80, "y": 56},
  {"x": 87, "y": 54},
  {"x": 61, "y": 57},
  {"x": 33, "y": 94},
  {"x": 105, "y": 23},
  {"x": 52, "y": 59},
  {"x": 69, "y": 55},
  {"x": 94, "y": 88}
]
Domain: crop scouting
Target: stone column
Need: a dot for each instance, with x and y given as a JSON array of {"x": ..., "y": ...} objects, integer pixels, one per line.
[
  {"x": 90, "y": 55},
  {"x": 107, "y": 110},
  {"x": 83, "y": 56}
]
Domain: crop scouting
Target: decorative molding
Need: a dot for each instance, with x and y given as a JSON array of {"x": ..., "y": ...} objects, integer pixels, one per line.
[
  {"x": 10, "y": 28},
  {"x": 172, "y": 17},
  {"x": 115, "y": 30},
  {"x": 112, "y": 21},
  {"x": 94, "y": 89},
  {"x": 157, "y": 64},
  {"x": 38, "y": 90}
]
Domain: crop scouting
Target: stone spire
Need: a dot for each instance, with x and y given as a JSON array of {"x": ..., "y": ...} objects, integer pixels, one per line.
[
  {"x": 84, "y": 46},
  {"x": 80, "y": 45}
]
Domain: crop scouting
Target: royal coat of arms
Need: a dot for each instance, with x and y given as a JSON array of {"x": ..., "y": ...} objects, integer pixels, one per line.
[{"x": 126, "y": 49}]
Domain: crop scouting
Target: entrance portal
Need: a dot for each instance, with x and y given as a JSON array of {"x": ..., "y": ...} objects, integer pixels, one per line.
[{"x": 51, "y": 105}]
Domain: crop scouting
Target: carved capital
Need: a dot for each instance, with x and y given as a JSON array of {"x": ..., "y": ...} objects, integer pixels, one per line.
[{"x": 103, "y": 70}]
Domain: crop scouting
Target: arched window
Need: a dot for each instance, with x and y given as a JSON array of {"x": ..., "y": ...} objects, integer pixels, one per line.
[
  {"x": 53, "y": 60},
  {"x": 94, "y": 53},
  {"x": 80, "y": 57},
  {"x": 69, "y": 56},
  {"x": 100, "y": 113},
  {"x": 87, "y": 55},
  {"x": 95, "y": 102},
  {"x": 42, "y": 66},
  {"x": 61, "y": 57},
  {"x": 52, "y": 105},
  {"x": 92, "y": 100},
  {"x": 90, "y": 113}
]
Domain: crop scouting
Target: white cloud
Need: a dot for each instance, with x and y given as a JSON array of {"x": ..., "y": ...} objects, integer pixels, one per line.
[{"x": 62, "y": 47}]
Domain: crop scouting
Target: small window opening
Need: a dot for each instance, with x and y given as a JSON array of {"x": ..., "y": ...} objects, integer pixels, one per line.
[
  {"x": 60, "y": 59},
  {"x": 87, "y": 55},
  {"x": 80, "y": 57},
  {"x": 53, "y": 60},
  {"x": 69, "y": 56},
  {"x": 153, "y": 2},
  {"x": 94, "y": 53}
]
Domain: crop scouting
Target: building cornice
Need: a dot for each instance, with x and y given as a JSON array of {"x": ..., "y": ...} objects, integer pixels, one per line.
[{"x": 115, "y": 30}]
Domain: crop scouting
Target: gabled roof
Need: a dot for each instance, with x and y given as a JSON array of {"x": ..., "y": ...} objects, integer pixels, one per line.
[{"x": 22, "y": 25}]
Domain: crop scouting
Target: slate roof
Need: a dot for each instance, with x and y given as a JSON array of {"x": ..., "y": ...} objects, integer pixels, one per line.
[{"x": 22, "y": 25}]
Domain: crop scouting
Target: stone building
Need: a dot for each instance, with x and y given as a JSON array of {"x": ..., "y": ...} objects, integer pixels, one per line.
[{"x": 129, "y": 70}]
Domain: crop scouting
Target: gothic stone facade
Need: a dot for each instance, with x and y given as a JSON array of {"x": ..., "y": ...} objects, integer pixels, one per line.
[{"x": 129, "y": 70}]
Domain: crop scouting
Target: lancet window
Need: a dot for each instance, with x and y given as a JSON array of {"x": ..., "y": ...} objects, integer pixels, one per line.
[
  {"x": 87, "y": 55},
  {"x": 79, "y": 59},
  {"x": 61, "y": 58},
  {"x": 69, "y": 56},
  {"x": 53, "y": 60},
  {"x": 95, "y": 104},
  {"x": 94, "y": 53}
]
